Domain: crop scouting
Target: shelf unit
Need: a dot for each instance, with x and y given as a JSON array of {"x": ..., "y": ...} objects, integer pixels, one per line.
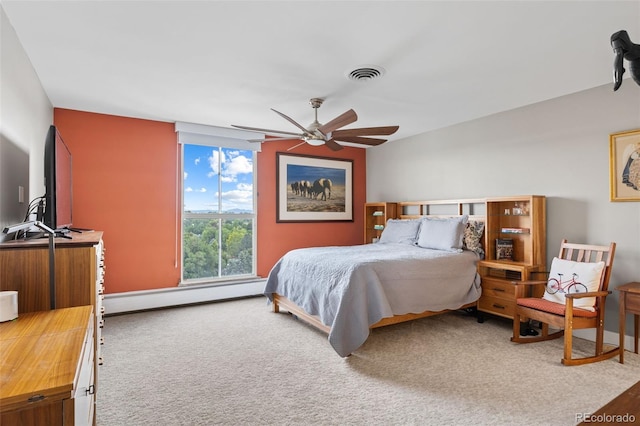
[
  {"x": 523, "y": 220},
  {"x": 375, "y": 218}
]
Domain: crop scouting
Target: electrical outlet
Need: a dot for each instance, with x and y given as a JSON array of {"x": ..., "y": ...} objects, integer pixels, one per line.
[{"x": 21, "y": 194}]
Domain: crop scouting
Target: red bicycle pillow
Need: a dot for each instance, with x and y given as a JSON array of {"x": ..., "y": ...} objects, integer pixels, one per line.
[{"x": 568, "y": 276}]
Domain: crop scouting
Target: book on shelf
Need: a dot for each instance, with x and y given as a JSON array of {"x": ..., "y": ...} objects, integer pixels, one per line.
[
  {"x": 504, "y": 249},
  {"x": 378, "y": 213},
  {"x": 515, "y": 230},
  {"x": 378, "y": 227}
]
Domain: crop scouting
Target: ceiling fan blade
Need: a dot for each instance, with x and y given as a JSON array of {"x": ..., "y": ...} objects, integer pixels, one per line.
[
  {"x": 272, "y": 139},
  {"x": 360, "y": 140},
  {"x": 292, "y": 121},
  {"x": 295, "y": 146},
  {"x": 340, "y": 121},
  {"x": 256, "y": 129},
  {"x": 333, "y": 145},
  {"x": 366, "y": 131}
]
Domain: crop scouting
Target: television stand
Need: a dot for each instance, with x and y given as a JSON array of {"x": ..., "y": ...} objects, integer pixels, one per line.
[{"x": 63, "y": 233}]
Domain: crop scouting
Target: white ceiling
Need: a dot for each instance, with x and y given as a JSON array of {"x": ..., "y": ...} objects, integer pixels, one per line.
[{"x": 228, "y": 62}]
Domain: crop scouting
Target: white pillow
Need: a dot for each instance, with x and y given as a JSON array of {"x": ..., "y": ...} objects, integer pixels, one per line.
[
  {"x": 442, "y": 234},
  {"x": 404, "y": 231},
  {"x": 562, "y": 281}
]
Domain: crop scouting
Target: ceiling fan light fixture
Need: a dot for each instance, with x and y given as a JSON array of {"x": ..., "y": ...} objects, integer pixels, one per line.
[
  {"x": 314, "y": 142},
  {"x": 366, "y": 73}
]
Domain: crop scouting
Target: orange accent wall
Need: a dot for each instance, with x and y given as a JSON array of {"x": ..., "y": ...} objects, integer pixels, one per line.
[
  {"x": 275, "y": 239},
  {"x": 125, "y": 184}
]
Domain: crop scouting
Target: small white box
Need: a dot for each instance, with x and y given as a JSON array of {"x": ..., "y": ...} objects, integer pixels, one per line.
[{"x": 8, "y": 305}]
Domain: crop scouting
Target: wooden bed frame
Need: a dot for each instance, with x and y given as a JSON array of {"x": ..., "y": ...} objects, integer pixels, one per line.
[
  {"x": 292, "y": 308},
  {"x": 406, "y": 210}
]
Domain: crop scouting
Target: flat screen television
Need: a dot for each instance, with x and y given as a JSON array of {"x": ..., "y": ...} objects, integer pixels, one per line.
[{"x": 58, "y": 182}]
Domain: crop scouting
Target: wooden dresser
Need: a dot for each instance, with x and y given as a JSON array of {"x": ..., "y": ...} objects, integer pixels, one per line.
[
  {"x": 47, "y": 368},
  {"x": 79, "y": 275}
]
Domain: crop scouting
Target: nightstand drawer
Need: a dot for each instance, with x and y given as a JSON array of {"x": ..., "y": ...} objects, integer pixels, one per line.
[
  {"x": 497, "y": 305},
  {"x": 632, "y": 302},
  {"x": 498, "y": 288}
]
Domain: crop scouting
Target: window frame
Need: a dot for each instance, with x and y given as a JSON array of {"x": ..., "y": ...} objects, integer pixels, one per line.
[{"x": 190, "y": 134}]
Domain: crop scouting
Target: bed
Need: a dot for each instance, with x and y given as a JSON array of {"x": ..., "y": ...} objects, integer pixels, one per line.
[{"x": 424, "y": 264}]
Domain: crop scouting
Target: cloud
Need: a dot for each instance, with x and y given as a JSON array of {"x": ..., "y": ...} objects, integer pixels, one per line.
[
  {"x": 231, "y": 163},
  {"x": 215, "y": 159},
  {"x": 241, "y": 197},
  {"x": 190, "y": 189},
  {"x": 186, "y": 175},
  {"x": 197, "y": 161}
]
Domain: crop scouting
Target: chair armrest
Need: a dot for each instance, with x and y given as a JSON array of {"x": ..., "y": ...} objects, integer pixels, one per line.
[{"x": 587, "y": 294}]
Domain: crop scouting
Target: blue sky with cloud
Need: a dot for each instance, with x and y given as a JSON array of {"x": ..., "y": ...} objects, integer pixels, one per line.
[{"x": 205, "y": 167}]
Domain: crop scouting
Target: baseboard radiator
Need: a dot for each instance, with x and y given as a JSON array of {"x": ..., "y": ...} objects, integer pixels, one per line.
[{"x": 132, "y": 301}]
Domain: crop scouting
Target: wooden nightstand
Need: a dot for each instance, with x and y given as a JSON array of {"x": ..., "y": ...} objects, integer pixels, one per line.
[{"x": 629, "y": 304}]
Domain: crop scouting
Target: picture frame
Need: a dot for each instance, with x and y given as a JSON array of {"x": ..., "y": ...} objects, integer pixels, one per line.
[
  {"x": 624, "y": 165},
  {"x": 313, "y": 189}
]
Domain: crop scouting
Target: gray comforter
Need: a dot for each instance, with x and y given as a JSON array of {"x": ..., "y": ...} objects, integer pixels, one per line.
[{"x": 351, "y": 288}]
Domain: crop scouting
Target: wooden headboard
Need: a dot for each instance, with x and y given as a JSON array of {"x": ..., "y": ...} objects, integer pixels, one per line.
[{"x": 476, "y": 208}]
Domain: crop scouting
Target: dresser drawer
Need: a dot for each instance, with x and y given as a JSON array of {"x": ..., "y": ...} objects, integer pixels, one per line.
[{"x": 496, "y": 305}]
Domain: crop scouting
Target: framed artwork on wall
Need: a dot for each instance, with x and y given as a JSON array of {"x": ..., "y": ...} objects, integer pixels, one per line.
[
  {"x": 624, "y": 165},
  {"x": 313, "y": 189}
]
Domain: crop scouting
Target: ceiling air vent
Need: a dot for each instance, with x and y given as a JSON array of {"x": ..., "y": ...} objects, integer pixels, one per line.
[{"x": 365, "y": 73}]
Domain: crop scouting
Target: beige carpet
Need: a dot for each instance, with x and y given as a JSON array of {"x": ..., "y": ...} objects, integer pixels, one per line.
[{"x": 237, "y": 363}]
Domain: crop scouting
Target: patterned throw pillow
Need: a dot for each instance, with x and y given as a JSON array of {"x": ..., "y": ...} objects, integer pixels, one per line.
[
  {"x": 567, "y": 277},
  {"x": 473, "y": 237}
]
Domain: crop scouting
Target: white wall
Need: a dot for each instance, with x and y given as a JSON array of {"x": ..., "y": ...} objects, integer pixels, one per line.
[
  {"x": 558, "y": 148},
  {"x": 25, "y": 116}
]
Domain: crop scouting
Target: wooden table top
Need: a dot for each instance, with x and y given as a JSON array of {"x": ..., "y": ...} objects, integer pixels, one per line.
[
  {"x": 633, "y": 287},
  {"x": 40, "y": 353},
  {"x": 85, "y": 238},
  {"x": 624, "y": 406}
]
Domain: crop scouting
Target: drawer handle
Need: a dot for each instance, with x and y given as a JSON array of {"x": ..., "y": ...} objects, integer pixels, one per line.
[
  {"x": 495, "y": 305},
  {"x": 36, "y": 398},
  {"x": 499, "y": 289}
]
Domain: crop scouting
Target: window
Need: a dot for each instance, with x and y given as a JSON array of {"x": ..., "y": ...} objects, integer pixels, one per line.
[{"x": 218, "y": 211}]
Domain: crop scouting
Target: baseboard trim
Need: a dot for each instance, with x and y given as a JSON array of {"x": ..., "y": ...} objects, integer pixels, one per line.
[
  {"x": 610, "y": 337},
  {"x": 132, "y": 301}
]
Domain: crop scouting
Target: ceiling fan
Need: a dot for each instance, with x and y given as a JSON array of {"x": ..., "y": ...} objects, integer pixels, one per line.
[{"x": 328, "y": 134}]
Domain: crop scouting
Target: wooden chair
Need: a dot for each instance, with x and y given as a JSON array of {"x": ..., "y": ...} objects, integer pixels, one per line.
[{"x": 566, "y": 317}]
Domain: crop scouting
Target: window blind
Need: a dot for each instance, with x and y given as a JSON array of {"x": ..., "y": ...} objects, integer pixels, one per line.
[{"x": 200, "y": 134}]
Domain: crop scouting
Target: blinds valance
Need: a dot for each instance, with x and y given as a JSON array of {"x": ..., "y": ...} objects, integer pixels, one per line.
[{"x": 200, "y": 134}]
